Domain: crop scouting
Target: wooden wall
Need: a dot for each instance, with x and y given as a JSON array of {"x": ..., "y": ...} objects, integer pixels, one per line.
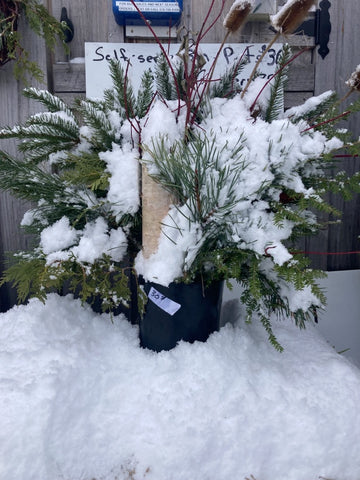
[
  {"x": 331, "y": 74},
  {"x": 94, "y": 22},
  {"x": 14, "y": 108}
]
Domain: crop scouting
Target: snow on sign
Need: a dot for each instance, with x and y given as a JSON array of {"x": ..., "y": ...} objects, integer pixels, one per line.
[
  {"x": 144, "y": 56},
  {"x": 159, "y": 12}
]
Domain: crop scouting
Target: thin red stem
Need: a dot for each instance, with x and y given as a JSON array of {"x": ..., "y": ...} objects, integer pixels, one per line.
[
  {"x": 202, "y": 33},
  {"x": 344, "y": 114},
  {"x": 190, "y": 79},
  {"x": 163, "y": 51}
]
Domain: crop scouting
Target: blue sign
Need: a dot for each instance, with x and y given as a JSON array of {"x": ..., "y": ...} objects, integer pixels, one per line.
[{"x": 158, "y": 12}]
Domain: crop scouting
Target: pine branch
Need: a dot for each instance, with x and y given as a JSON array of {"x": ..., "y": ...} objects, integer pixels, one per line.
[
  {"x": 44, "y": 134},
  {"x": 27, "y": 181},
  {"x": 103, "y": 133},
  {"x": 51, "y": 102}
]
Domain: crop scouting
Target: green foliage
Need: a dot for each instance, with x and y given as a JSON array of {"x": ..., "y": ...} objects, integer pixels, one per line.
[
  {"x": 145, "y": 95},
  {"x": 26, "y": 275},
  {"x": 27, "y": 181},
  {"x": 226, "y": 87},
  {"x": 11, "y": 43},
  {"x": 104, "y": 280},
  {"x": 102, "y": 134},
  {"x": 164, "y": 80},
  {"x": 86, "y": 169},
  {"x": 121, "y": 97},
  {"x": 52, "y": 103},
  {"x": 45, "y": 133}
]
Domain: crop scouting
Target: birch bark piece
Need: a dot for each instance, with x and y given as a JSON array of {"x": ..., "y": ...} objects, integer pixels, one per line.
[{"x": 156, "y": 202}]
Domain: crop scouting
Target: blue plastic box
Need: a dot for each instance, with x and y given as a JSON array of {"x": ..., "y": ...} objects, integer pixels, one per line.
[{"x": 158, "y": 12}]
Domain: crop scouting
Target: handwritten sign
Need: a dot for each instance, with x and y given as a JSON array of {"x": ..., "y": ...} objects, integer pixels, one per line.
[{"x": 144, "y": 56}]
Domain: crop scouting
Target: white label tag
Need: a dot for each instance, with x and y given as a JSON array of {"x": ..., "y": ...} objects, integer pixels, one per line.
[{"x": 169, "y": 306}]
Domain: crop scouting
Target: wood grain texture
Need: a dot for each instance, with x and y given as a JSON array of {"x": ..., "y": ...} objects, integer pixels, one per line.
[
  {"x": 331, "y": 74},
  {"x": 15, "y": 109}
]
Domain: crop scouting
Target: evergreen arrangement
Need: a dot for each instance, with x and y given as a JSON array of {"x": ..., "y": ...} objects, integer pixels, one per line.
[{"x": 246, "y": 181}]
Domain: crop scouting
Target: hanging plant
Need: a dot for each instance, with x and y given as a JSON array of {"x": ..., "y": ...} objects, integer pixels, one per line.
[{"x": 11, "y": 42}]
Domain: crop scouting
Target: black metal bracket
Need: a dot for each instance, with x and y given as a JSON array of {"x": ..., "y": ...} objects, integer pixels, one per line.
[
  {"x": 68, "y": 26},
  {"x": 318, "y": 27}
]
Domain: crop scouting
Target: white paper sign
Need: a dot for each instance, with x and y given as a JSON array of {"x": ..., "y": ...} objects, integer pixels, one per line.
[
  {"x": 163, "y": 302},
  {"x": 143, "y": 56}
]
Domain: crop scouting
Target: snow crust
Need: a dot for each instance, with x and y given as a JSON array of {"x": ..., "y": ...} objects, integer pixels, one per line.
[{"x": 80, "y": 400}]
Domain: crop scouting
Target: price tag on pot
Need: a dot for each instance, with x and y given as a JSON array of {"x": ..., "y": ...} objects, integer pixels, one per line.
[{"x": 163, "y": 302}]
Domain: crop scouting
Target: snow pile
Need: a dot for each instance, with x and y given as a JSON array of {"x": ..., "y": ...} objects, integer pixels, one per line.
[
  {"x": 95, "y": 240},
  {"x": 123, "y": 166},
  {"x": 79, "y": 400}
]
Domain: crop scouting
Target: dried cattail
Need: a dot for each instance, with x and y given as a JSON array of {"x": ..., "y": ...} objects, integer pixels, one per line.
[
  {"x": 291, "y": 15},
  {"x": 354, "y": 81},
  {"x": 237, "y": 14}
]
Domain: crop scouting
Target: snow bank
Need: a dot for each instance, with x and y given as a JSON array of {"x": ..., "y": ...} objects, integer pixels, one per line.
[{"x": 79, "y": 400}]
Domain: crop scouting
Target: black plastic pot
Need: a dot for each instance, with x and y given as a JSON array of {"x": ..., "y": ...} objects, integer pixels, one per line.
[{"x": 197, "y": 315}]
